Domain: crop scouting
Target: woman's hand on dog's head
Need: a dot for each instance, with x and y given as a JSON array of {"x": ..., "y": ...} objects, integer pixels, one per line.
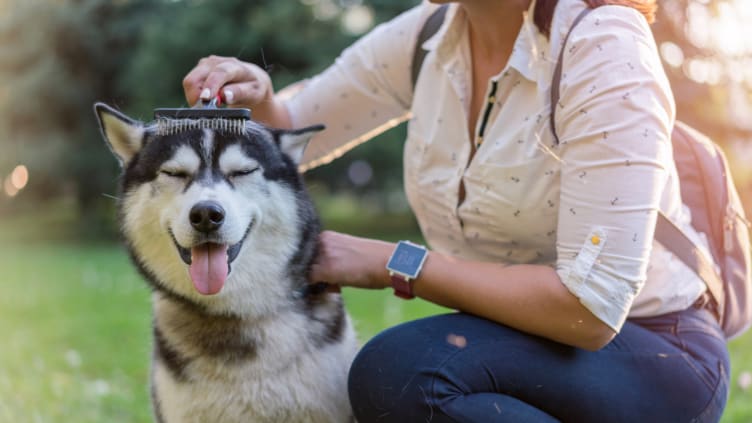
[{"x": 239, "y": 84}]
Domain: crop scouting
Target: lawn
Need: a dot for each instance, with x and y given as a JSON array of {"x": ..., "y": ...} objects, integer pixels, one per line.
[
  {"x": 74, "y": 320},
  {"x": 75, "y": 327}
]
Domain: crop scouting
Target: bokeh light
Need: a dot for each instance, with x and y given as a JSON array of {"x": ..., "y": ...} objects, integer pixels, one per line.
[
  {"x": 19, "y": 177},
  {"x": 672, "y": 54},
  {"x": 10, "y": 190},
  {"x": 357, "y": 19},
  {"x": 360, "y": 173},
  {"x": 16, "y": 181}
]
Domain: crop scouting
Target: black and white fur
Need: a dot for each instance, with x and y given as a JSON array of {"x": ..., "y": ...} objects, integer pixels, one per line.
[{"x": 264, "y": 348}]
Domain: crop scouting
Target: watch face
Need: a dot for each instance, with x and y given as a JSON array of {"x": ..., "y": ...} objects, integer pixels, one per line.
[{"x": 407, "y": 259}]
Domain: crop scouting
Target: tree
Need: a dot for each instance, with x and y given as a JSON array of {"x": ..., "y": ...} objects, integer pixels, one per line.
[
  {"x": 290, "y": 41},
  {"x": 59, "y": 58},
  {"x": 707, "y": 54}
]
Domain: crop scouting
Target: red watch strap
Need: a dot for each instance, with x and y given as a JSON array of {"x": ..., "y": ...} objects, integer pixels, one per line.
[{"x": 403, "y": 288}]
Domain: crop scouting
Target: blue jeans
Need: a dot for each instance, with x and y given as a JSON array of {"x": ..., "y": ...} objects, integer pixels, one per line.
[{"x": 461, "y": 368}]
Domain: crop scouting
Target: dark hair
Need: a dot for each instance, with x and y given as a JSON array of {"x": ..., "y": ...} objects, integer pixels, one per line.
[{"x": 544, "y": 10}]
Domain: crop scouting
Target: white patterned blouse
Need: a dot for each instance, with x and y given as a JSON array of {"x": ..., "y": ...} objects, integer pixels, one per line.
[{"x": 587, "y": 206}]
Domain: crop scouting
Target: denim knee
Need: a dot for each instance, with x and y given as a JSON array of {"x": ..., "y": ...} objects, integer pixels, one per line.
[
  {"x": 371, "y": 385},
  {"x": 390, "y": 379}
]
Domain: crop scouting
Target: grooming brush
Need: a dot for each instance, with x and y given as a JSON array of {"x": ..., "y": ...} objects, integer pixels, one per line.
[{"x": 205, "y": 114}]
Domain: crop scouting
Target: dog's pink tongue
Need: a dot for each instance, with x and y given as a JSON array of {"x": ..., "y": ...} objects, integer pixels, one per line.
[{"x": 209, "y": 268}]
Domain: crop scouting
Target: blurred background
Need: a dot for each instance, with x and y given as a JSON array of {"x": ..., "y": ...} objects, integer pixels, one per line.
[{"x": 74, "y": 316}]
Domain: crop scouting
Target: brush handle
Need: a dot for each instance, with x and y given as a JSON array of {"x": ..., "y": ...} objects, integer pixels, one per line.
[{"x": 214, "y": 103}]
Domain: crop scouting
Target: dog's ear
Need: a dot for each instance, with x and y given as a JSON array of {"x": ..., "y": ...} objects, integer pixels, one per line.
[
  {"x": 123, "y": 134},
  {"x": 294, "y": 143}
]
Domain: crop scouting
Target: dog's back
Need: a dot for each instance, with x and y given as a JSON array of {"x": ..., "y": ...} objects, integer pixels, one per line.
[{"x": 218, "y": 221}]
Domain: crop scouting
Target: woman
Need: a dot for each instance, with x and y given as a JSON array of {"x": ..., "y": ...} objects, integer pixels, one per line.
[{"x": 567, "y": 309}]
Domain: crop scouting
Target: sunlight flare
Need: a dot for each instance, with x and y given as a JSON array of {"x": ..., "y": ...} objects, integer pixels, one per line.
[
  {"x": 10, "y": 190},
  {"x": 19, "y": 177}
]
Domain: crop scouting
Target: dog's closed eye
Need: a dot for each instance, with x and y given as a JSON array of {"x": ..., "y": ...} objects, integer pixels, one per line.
[
  {"x": 241, "y": 172},
  {"x": 175, "y": 173}
]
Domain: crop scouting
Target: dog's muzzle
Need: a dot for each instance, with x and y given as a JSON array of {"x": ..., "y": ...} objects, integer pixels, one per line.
[{"x": 209, "y": 259}]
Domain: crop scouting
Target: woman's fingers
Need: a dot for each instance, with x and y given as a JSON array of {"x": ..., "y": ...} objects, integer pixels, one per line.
[
  {"x": 193, "y": 83},
  {"x": 245, "y": 93},
  {"x": 238, "y": 82},
  {"x": 223, "y": 72}
]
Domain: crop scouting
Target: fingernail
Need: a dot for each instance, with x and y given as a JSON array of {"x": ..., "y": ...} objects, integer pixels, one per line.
[
  {"x": 205, "y": 94},
  {"x": 229, "y": 96}
]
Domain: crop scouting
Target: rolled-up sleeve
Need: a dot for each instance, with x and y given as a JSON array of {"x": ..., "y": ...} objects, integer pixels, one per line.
[
  {"x": 364, "y": 92},
  {"x": 614, "y": 121}
]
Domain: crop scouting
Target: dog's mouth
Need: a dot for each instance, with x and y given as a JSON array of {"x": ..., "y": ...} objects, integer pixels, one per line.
[{"x": 209, "y": 263}]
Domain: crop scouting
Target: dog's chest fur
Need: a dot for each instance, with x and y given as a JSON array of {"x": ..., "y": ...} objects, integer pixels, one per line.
[{"x": 225, "y": 369}]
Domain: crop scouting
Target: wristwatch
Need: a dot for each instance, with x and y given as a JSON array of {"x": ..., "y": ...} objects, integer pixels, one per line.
[{"x": 404, "y": 266}]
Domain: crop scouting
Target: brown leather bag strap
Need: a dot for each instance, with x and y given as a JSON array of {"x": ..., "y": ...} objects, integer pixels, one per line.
[
  {"x": 557, "y": 72},
  {"x": 679, "y": 244},
  {"x": 432, "y": 25}
]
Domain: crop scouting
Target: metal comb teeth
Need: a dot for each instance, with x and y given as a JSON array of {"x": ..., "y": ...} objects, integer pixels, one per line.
[
  {"x": 205, "y": 114},
  {"x": 167, "y": 126}
]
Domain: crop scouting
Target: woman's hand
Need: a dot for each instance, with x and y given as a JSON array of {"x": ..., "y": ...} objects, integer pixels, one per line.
[
  {"x": 351, "y": 261},
  {"x": 240, "y": 84}
]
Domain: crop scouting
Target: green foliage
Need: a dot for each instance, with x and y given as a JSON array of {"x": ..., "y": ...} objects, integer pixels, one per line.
[
  {"x": 279, "y": 36},
  {"x": 58, "y": 57},
  {"x": 134, "y": 54},
  {"x": 283, "y": 37}
]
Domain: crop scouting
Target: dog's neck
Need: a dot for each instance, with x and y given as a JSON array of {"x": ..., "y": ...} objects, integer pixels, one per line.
[{"x": 185, "y": 332}]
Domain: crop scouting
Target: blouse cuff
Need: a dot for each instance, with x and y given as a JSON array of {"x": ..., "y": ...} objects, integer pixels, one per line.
[{"x": 606, "y": 297}]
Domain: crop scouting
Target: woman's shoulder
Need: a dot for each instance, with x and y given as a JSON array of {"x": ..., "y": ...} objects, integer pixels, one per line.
[
  {"x": 618, "y": 20},
  {"x": 608, "y": 36}
]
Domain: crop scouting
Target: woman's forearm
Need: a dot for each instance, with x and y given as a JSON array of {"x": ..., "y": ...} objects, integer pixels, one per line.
[
  {"x": 530, "y": 298},
  {"x": 274, "y": 113}
]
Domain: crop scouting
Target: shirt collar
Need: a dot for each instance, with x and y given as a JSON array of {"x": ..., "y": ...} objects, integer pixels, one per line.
[
  {"x": 529, "y": 53},
  {"x": 530, "y": 47},
  {"x": 445, "y": 40}
]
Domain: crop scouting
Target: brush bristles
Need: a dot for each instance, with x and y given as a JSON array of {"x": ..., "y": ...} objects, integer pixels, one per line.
[{"x": 168, "y": 126}]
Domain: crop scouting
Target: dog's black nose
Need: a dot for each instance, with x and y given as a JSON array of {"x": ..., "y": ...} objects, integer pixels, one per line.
[{"x": 207, "y": 216}]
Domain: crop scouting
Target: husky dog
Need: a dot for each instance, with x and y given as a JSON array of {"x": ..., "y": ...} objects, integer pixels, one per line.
[{"x": 217, "y": 220}]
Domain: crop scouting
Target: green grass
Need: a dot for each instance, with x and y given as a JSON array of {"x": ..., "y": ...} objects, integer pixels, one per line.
[
  {"x": 75, "y": 333},
  {"x": 74, "y": 321},
  {"x": 739, "y": 408}
]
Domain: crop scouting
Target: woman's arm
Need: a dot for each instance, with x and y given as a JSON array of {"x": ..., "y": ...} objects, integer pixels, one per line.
[
  {"x": 614, "y": 122},
  {"x": 529, "y": 298},
  {"x": 364, "y": 92}
]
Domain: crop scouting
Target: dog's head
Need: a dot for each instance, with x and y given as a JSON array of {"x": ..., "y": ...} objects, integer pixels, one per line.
[{"x": 210, "y": 209}]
